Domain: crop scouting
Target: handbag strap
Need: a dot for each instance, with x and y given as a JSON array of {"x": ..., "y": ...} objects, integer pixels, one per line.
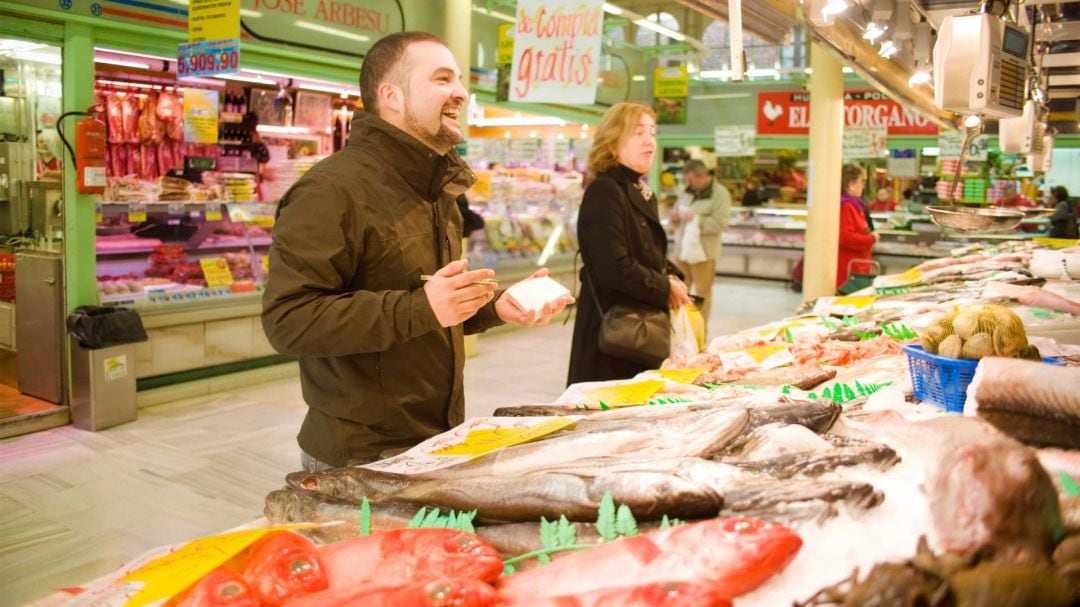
[{"x": 596, "y": 298}]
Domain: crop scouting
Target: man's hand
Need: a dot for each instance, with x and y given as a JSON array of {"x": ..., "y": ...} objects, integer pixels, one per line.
[
  {"x": 680, "y": 295},
  {"x": 455, "y": 295},
  {"x": 508, "y": 312}
]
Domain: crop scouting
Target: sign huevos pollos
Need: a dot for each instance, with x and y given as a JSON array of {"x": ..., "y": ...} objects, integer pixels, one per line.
[{"x": 788, "y": 113}]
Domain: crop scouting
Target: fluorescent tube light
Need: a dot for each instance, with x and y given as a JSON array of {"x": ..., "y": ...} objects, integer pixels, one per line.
[
  {"x": 611, "y": 8},
  {"x": 495, "y": 14},
  {"x": 135, "y": 64},
  {"x": 659, "y": 29},
  {"x": 131, "y": 54},
  {"x": 315, "y": 27}
]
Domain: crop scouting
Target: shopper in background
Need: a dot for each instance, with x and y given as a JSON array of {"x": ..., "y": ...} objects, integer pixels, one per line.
[
  {"x": 1010, "y": 197},
  {"x": 907, "y": 202},
  {"x": 751, "y": 197},
  {"x": 857, "y": 235},
  {"x": 622, "y": 243},
  {"x": 260, "y": 153},
  {"x": 381, "y": 351},
  {"x": 883, "y": 201},
  {"x": 1063, "y": 221},
  {"x": 710, "y": 203}
]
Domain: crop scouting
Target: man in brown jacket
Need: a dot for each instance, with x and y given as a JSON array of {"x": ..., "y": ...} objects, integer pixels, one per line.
[{"x": 381, "y": 352}]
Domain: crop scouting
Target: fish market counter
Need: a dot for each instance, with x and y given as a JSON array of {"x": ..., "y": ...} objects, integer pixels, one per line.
[{"x": 817, "y": 460}]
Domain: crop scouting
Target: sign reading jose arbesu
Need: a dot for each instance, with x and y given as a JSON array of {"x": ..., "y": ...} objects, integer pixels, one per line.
[{"x": 557, "y": 51}]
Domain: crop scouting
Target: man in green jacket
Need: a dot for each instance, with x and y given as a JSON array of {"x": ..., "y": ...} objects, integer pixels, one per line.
[{"x": 381, "y": 351}]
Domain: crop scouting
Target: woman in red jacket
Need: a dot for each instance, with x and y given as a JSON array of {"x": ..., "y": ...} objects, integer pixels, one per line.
[{"x": 857, "y": 235}]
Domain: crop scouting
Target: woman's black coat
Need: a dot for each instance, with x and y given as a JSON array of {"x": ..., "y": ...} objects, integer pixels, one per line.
[{"x": 624, "y": 249}]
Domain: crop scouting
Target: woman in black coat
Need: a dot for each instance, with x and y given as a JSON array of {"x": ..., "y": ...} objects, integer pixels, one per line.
[{"x": 622, "y": 243}]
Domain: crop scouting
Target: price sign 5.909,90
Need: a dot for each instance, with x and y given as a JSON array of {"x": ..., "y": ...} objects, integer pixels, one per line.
[{"x": 208, "y": 58}]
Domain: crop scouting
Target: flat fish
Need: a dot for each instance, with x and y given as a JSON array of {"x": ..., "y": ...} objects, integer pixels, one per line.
[{"x": 1036, "y": 403}]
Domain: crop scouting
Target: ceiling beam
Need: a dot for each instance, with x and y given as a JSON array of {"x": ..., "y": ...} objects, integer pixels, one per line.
[
  {"x": 1060, "y": 31},
  {"x": 1064, "y": 79},
  {"x": 1064, "y": 93},
  {"x": 1061, "y": 60}
]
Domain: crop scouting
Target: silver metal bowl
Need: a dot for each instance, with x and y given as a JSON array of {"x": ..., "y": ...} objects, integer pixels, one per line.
[
  {"x": 975, "y": 219},
  {"x": 1032, "y": 213}
]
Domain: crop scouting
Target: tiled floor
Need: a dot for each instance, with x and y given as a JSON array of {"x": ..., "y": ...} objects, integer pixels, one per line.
[{"x": 74, "y": 505}]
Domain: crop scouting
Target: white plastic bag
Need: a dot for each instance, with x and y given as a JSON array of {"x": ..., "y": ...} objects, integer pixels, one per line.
[
  {"x": 690, "y": 249},
  {"x": 684, "y": 342}
]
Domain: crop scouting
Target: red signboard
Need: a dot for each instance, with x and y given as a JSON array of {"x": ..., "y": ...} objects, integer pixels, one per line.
[{"x": 788, "y": 113}]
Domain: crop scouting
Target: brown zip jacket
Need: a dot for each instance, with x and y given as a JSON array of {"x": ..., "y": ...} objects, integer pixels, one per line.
[{"x": 344, "y": 294}]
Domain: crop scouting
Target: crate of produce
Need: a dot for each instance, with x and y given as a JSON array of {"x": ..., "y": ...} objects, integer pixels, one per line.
[{"x": 942, "y": 380}]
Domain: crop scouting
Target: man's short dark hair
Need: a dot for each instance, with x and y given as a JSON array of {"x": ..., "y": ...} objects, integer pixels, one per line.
[
  {"x": 383, "y": 60},
  {"x": 696, "y": 166}
]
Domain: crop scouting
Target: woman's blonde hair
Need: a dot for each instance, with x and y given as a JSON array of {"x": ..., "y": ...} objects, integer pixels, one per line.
[{"x": 617, "y": 124}]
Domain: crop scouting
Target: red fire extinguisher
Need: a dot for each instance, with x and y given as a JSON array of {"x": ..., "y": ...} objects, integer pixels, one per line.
[{"x": 89, "y": 152}]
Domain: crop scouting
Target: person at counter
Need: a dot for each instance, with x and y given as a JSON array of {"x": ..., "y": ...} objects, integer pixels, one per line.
[
  {"x": 1063, "y": 221},
  {"x": 623, "y": 245},
  {"x": 883, "y": 201},
  {"x": 710, "y": 202},
  {"x": 751, "y": 197},
  {"x": 47, "y": 164},
  {"x": 381, "y": 351},
  {"x": 857, "y": 235},
  {"x": 1010, "y": 197}
]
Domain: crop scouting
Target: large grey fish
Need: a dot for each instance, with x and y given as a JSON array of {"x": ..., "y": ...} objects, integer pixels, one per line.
[
  {"x": 293, "y": 505},
  {"x": 842, "y": 452},
  {"x": 682, "y": 487},
  {"x": 1034, "y": 402}
]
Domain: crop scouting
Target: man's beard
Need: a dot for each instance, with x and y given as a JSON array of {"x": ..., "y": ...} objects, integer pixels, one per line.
[{"x": 442, "y": 139}]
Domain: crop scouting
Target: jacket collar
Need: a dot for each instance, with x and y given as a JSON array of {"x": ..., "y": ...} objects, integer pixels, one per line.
[
  {"x": 625, "y": 175},
  {"x": 702, "y": 194},
  {"x": 425, "y": 171}
]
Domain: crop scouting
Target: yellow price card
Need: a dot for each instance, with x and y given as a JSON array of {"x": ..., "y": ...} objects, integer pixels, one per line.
[
  {"x": 213, "y": 211},
  {"x": 860, "y": 302},
  {"x": 486, "y": 440},
  {"x": 265, "y": 221},
  {"x": 757, "y": 357},
  {"x": 1056, "y": 243},
  {"x": 637, "y": 393},
  {"x": 265, "y": 263},
  {"x": 136, "y": 213},
  {"x": 680, "y": 376},
  {"x": 217, "y": 273}
]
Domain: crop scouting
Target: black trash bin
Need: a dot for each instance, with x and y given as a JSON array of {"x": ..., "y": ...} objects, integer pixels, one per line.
[{"x": 103, "y": 365}]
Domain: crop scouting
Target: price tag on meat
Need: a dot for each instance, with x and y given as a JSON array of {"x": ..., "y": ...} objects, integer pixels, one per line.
[
  {"x": 136, "y": 213},
  {"x": 213, "y": 211},
  {"x": 217, "y": 273},
  {"x": 208, "y": 58}
]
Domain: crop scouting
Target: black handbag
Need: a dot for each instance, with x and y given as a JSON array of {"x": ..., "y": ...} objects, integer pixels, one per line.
[{"x": 633, "y": 332}]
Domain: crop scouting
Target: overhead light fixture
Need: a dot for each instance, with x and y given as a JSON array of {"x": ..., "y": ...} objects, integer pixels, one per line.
[
  {"x": 494, "y": 14},
  {"x": 921, "y": 47},
  {"x": 659, "y": 29},
  {"x": 611, "y": 8},
  {"x": 133, "y": 64},
  {"x": 237, "y": 78},
  {"x": 638, "y": 78},
  {"x": 972, "y": 121},
  {"x": 715, "y": 74},
  {"x": 888, "y": 49},
  {"x": 901, "y": 26},
  {"x": 760, "y": 72},
  {"x": 266, "y": 73},
  {"x": 247, "y": 12},
  {"x": 873, "y": 31},
  {"x": 847, "y": 70},
  {"x": 20, "y": 45},
  {"x": 834, "y": 7},
  {"x": 288, "y": 130},
  {"x": 333, "y": 31},
  {"x": 720, "y": 96}
]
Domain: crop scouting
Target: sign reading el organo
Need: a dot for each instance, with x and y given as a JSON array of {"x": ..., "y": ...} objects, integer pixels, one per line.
[
  {"x": 788, "y": 113},
  {"x": 556, "y": 51}
]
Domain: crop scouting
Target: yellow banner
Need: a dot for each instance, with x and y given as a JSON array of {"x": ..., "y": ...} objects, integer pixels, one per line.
[
  {"x": 213, "y": 20},
  {"x": 505, "y": 52},
  {"x": 485, "y": 440},
  {"x": 200, "y": 116},
  {"x": 217, "y": 273},
  {"x": 1056, "y": 243},
  {"x": 669, "y": 82}
]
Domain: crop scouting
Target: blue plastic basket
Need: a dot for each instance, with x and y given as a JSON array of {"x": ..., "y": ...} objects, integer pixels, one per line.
[{"x": 942, "y": 380}]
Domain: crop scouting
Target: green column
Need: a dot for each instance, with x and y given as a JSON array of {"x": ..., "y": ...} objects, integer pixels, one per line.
[{"x": 80, "y": 261}]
